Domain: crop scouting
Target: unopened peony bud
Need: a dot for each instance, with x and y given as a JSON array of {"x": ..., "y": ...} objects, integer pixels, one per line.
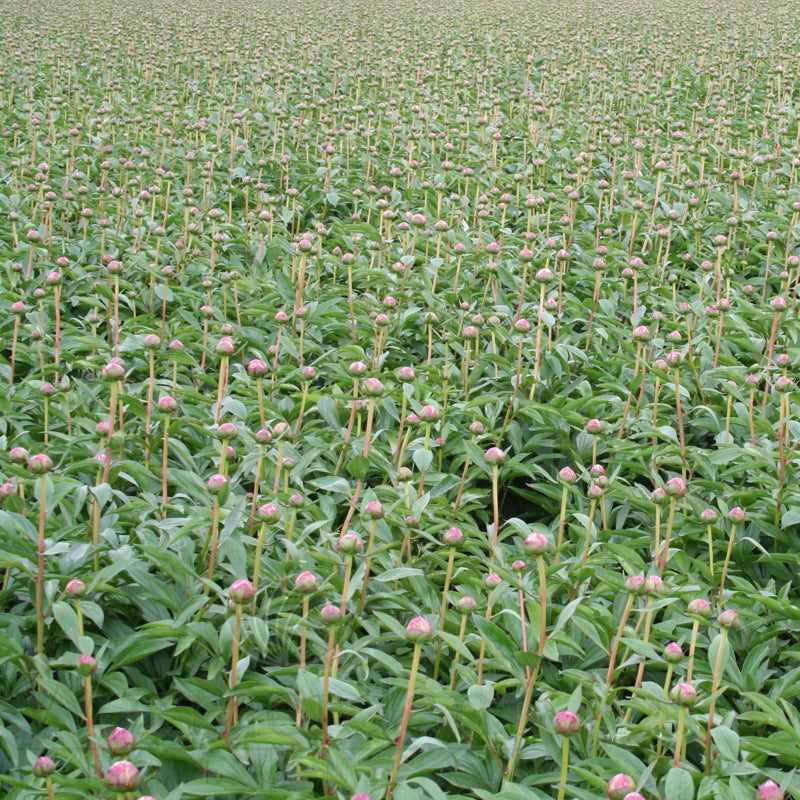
[
  {"x": 120, "y": 742},
  {"x": 43, "y": 767},
  {"x": 75, "y": 588},
  {"x": 241, "y": 591},
  {"x": 306, "y": 582},
  {"x": 684, "y": 694},
  {"x": 419, "y": 630},
  {"x": 122, "y": 776},
  {"x": 620, "y": 785},
  {"x": 566, "y": 723},
  {"x": 769, "y": 790}
]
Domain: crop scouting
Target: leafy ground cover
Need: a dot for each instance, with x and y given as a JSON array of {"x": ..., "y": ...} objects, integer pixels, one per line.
[{"x": 399, "y": 401}]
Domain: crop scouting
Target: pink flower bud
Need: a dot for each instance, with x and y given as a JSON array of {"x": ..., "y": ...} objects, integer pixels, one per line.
[
  {"x": 783, "y": 384},
  {"x": 465, "y": 605},
  {"x": 122, "y": 776},
  {"x": 708, "y": 515},
  {"x": 357, "y": 369},
  {"x": 241, "y": 591},
  {"x": 684, "y": 694},
  {"x": 729, "y": 619},
  {"x": 566, "y": 723},
  {"x": 86, "y": 665},
  {"x": 331, "y": 614},
  {"x": 256, "y": 368},
  {"x": 227, "y": 431},
  {"x": 673, "y": 653},
  {"x": 429, "y": 413},
  {"x": 595, "y": 491},
  {"x": 635, "y": 584},
  {"x": 699, "y": 607},
  {"x": 350, "y": 543},
  {"x": 676, "y": 487},
  {"x": 567, "y": 475},
  {"x": 404, "y": 474},
  {"x": 113, "y": 371},
  {"x": 492, "y": 580},
  {"x": 75, "y": 588},
  {"x": 536, "y": 544},
  {"x": 494, "y": 455},
  {"x": 120, "y": 742},
  {"x": 269, "y": 513},
  {"x": 167, "y": 404},
  {"x": 306, "y": 582},
  {"x": 43, "y": 767},
  {"x": 216, "y": 483},
  {"x": 40, "y": 463},
  {"x": 226, "y": 346},
  {"x": 620, "y": 785},
  {"x": 372, "y": 387},
  {"x": 419, "y": 630},
  {"x": 769, "y": 790},
  {"x": 374, "y": 509},
  {"x": 736, "y": 515},
  {"x": 453, "y": 537},
  {"x": 594, "y": 427}
]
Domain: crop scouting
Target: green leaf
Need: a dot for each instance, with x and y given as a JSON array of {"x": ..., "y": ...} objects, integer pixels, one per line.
[
  {"x": 67, "y": 619},
  {"x": 679, "y": 785},
  {"x": 216, "y": 786},
  {"x": 358, "y": 467},
  {"x": 283, "y": 735},
  {"x": 423, "y": 459},
  {"x": 726, "y": 741},
  {"x": 480, "y": 696}
]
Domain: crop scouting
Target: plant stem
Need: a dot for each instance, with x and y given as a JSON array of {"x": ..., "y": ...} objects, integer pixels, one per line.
[
  {"x": 443, "y": 610},
  {"x": 662, "y": 562},
  {"x": 728, "y": 553},
  {"x": 679, "y": 738},
  {"x": 508, "y": 775},
  {"x": 562, "y": 521},
  {"x": 398, "y": 754},
  {"x": 562, "y": 785},
  {"x": 88, "y": 711},
  {"x": 40, "y": 566},
  {"x": 233, "y": 704},
  {"x": 723, "y": 638}
]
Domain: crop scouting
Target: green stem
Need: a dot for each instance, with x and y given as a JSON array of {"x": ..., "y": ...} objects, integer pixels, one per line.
[
  {"x": 87, "y": 706},
  {"x": 589, "y": 525},
  {"x": 523, "y": 718},
  {"x": 725, "y": 565},
  {"x": 679, "y": 738},
  {"x": 257, "y": 562},
  {"x": 233, "y": 705},
  {"x": 662, "y": 564},
  {"x": 495, "y": 509},
  {"x": 713, "y": 704},
  {"x": 562, "y": 786},
  {"x": 40, "y": 566},
  {"x": 398, "y": 754},
  {"x": 443, "y": 610},
  {"x": 562, "y": 522}
]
